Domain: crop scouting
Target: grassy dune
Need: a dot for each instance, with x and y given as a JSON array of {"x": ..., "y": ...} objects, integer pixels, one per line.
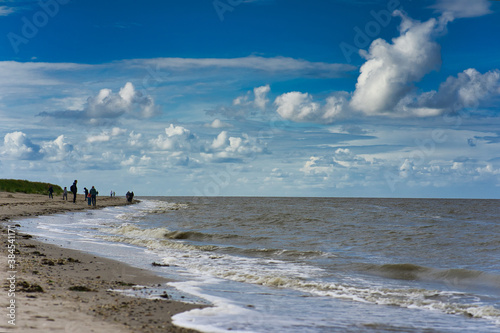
[{"x": 26, "y": 186}]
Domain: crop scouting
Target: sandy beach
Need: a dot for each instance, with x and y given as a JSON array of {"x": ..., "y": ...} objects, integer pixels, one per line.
[{"x": 47, "y": 288}]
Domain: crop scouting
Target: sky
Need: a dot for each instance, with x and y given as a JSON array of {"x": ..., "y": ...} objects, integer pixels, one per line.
[{"x": 329, "y": 98}]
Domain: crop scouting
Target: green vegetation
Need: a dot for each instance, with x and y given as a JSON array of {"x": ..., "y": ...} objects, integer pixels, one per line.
[{"x": 25, "y": 186}]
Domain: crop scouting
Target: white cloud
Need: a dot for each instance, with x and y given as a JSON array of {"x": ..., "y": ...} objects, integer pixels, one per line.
[
  {"x": 132, "y": 160},
  {"x": 273, "y": 65},
  {"x": 98, "y": 138},
  {"x": 220, "y": 141},
  {"x": 116, "y": 131},
  {"x": 17, "y": 145},
  {"x": 345, "y": 158},
  {"x": 392, "y": 68},
  {"x": 467, "y": 89},
  {"x": 177, "y": 138},
  {"x": 231, "y": 148},
  {"x": 242, "y": 100},
  {"x": 134, "y": 139},
  {"x": 318, "y": 166},
  {"x": 385, "y": 86},
  {"x": 56, "y": 150},
  {"x": 20, "y": 76},
  {"x": 299, "y": 107},
  {"x": 260, "y": 94},
  {"x": 128, "y": 101},
  {"x": 5, "y": 11},
  {"x": 463, "y": 8},
  {"x": 217, "y": 123}
]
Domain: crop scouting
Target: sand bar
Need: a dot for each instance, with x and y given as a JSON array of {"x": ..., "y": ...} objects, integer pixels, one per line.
[{"x": 63, "y": 290}]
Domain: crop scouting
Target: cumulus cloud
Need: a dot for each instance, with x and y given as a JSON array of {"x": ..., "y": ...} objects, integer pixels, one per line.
[
  {"x": 300, "y": 107},
  {"x": 107, "y": 106},
  {"x": 463, "y": 8},
  {"x": 105, "y": 135},
  {"x": 318, "y": 166},
  {"x": 386, "y": 83},
  {"x": 57, "y": 150},
  {"x": 260, "y": 94},
  {"x": 392, "y": 68},
  {"x": 17, "y": 145},
  {"x": 217, "y": 123},
  {"x": 176, "y": 138},
  {"x": 259, "y": 100},
  {"x": 226, "y": 148},
  {"x": 129, "y": 101},
  {"x": 346, "y": 158},
  {"x": 134, "y": 139},
  {"x": 467, "y": 89},
  {"x": 220, "y": 140},
  {"x": 245, "y": 105}
]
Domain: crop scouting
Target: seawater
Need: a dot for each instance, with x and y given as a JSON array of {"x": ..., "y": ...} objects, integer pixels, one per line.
[{"x": 307, "y": 264}]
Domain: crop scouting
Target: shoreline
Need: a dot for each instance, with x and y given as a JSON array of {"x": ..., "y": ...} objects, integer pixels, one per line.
[{"x": 59, "y": 289}]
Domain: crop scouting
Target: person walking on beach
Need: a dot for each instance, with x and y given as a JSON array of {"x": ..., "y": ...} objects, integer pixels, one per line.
[
  {"x": 51, "y": 190},
  {"x": 65, "y": 193},
  {"x": 93, "y": 194},
  {"x": 74, "y": 190}
]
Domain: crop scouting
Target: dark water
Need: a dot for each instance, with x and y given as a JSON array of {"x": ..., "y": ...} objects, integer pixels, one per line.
[{"x": 320, "y": 264}]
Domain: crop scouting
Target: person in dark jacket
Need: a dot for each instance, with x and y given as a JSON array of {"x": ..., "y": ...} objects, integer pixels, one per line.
[
  {"x": 93, "y": 195},
  {"x": 74, "y": 190}
]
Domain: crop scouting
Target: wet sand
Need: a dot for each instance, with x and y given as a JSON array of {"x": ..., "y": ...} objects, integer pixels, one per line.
[{"x": 62, "y": 290}]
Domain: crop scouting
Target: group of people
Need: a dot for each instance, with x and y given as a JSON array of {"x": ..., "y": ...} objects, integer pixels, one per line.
[
  {"x": 90, "y": 195},
  {"x": 129, "y": 196},
  {"x": 73, "y": 189}
]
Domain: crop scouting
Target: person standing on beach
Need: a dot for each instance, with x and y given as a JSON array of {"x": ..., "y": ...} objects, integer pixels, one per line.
[
  {"x": 65, "y": 193},
  {"x": 51, "y": 190},
  {"x": 86, "y": 191},
  {"x": 74, "y": 190},
  {"x": 93, "y": 194}
]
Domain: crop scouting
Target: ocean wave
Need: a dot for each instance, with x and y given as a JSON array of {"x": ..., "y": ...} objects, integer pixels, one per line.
[
  {"x": 158, "y": 244},
  {"x": 151, "y": 207},
  {"x": 455, "y": 276},
  {"x": 131, "y": 230},
  {"x": 161, "y": 207},
  {"x": 285, "y": 253},
  {"x": 406, "y": 298}
]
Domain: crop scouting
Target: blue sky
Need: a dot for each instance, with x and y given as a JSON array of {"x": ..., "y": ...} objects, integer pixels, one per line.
[{"x": 257, "y": 97}]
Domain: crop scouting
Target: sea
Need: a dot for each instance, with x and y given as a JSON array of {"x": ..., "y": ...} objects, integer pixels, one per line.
[{"x": 270, "y": 264}]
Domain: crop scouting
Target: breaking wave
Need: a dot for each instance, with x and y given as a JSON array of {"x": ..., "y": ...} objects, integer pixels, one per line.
[{"x": 452, "y": 276}]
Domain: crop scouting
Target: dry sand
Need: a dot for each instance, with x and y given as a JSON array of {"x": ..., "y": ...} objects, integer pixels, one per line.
[{"x": 62, "y": 290}]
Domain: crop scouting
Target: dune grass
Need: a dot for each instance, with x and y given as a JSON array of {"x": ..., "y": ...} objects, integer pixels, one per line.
[{"x": 26, "y": 186}]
